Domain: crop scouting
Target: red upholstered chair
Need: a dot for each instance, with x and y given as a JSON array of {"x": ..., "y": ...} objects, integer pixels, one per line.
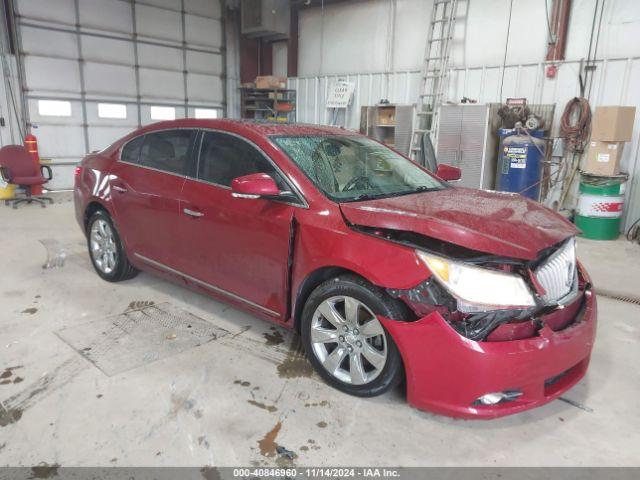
[{"x": 17, "y": 167}]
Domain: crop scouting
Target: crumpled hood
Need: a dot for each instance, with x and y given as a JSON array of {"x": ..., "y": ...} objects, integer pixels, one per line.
[{"x": 498, "y": 223}]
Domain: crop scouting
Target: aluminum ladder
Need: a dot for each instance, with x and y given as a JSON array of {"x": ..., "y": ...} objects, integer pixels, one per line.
[{"x": 434, "y": 73}]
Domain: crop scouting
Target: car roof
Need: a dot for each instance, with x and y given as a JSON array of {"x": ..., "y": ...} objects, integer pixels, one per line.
[{"x": 261, "y": 128}]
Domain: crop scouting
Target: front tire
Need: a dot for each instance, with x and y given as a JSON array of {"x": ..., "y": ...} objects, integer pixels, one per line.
[
  {"x": 345, "y": 342},
  {"x": 106, "y": 250}
]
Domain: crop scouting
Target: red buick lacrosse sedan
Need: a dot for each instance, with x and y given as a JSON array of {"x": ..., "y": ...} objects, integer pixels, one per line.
[{"x": 474, "y": 299}]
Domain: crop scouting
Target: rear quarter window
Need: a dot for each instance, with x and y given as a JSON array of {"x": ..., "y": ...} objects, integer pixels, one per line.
[{"x": 131, "y": 151}]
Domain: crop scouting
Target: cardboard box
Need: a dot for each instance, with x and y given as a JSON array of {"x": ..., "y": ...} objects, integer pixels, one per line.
[
  {"x": 269, "y": 81},
  {"x": 613, "y": 124},
  {"x": 603, "y": 158}
]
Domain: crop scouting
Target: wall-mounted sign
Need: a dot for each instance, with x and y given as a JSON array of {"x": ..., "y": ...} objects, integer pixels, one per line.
[{"x": 340, "y": 94}]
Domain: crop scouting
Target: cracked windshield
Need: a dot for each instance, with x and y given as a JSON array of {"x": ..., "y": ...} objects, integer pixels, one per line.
[{"x": 356, "y": 168}]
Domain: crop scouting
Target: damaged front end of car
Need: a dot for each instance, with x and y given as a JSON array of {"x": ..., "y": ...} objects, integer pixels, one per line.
[
  {"x": 486, "y": 297},
  {"x": 492, "y": 336}
]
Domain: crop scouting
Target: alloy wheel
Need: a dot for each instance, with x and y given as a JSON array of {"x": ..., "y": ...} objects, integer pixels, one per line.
[
  {"x": 348, "y": 340},
  {"x": 103, "y": 246}
]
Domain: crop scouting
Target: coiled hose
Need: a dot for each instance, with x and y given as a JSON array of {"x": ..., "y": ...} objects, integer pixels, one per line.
[
  {"x": 575, "y": 125},
  {"x": 576, "y": 131}
]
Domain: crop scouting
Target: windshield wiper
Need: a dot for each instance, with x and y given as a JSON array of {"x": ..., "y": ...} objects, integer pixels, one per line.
[
  {"x": 365, "y": 196},
  {"x": 424, "y": 188},
  {"x": 420, "y": 189},
  {"x": 371, "y": 196}
]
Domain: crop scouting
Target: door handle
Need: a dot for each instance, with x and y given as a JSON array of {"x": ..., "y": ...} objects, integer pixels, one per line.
[
  {"x": 192, "y": 213},
  {"x": 119, "y": 189}
]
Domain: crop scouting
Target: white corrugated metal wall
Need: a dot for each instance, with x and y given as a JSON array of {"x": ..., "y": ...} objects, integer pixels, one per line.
[{"x": 140, "y": 54}]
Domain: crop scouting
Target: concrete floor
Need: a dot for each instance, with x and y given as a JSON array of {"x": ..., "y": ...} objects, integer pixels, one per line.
[{"x": 245, "y": 390}]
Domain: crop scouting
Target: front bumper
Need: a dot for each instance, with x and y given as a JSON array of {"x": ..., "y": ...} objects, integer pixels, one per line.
[{"x": 447, "y": 372}]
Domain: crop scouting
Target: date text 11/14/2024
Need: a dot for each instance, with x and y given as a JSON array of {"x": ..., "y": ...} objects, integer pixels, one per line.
[{"x": 315, "y": 472}]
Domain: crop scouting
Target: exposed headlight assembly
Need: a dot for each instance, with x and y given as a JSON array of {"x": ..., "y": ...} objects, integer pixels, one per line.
[{"x": 479, "y": 289}]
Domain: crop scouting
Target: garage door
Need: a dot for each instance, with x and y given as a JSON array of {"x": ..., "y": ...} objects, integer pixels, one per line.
[{"x": 96, "y": 69}]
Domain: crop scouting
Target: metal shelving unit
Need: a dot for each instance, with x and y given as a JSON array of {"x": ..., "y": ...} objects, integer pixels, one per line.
[
  {"x": 274, "y": 104},
  {"x": 388, "y": 123}
]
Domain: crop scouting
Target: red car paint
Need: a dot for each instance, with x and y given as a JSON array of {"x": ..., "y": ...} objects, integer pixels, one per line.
[
  {"x": 257, "y": 184},
  {"x": 460, "y": 370},
  {"x": 495, "y": 222},
  {"x": 239, "y": 250}
]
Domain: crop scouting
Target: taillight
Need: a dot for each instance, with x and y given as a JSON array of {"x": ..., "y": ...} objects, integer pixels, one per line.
[{"x": 77, "y": 171}]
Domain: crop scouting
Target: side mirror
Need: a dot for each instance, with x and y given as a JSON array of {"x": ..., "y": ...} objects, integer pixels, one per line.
[
  {"x": 255, "y": 185},
  {"x": 449, "y": 173}
]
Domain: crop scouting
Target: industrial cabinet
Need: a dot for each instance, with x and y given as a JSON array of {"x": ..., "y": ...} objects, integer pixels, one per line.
[{"x": 465, "y": 141}]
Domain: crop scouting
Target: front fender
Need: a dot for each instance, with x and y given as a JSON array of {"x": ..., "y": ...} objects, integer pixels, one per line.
[{"x": 383, "y": 263}]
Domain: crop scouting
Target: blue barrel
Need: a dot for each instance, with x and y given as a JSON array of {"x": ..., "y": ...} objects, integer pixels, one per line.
[{"x": 520, "y": 162}]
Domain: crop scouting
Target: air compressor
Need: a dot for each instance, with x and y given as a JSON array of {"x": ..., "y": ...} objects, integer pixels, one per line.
[{"x": 520, "y": 161}]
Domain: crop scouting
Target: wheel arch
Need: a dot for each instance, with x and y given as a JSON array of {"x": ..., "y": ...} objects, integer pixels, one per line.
[
  {"x": 309, "y": 284},
  {"x": 320, "y": 275},
  {"x": 92, "y": 207}
]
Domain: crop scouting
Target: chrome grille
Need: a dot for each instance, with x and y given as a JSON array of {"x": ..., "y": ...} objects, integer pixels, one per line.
[{"x": 558, "y": 275}]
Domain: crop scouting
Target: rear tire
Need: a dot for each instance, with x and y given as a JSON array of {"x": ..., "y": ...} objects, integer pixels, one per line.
[
  {"x": 106, "y": 250},
  {"x": 352, "y": 351}
]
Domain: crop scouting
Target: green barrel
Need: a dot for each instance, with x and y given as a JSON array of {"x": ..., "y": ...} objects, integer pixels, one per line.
[{"x": 600, "y": 206}]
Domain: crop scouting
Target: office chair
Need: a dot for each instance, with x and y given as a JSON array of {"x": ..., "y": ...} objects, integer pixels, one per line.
[{"x": 17, "y": 167}]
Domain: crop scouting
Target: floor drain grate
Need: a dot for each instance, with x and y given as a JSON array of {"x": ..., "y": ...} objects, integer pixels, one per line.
[
  {"x": 140, "y": 336},
  {"x": 618, "y": 296}
]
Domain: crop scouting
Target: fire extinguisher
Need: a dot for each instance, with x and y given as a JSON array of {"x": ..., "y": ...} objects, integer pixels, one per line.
[{"x": 31, "y": 144}]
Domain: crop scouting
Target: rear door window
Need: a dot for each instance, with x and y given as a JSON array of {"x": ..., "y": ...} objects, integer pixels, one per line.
[{"x": 168, "y": 151}]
